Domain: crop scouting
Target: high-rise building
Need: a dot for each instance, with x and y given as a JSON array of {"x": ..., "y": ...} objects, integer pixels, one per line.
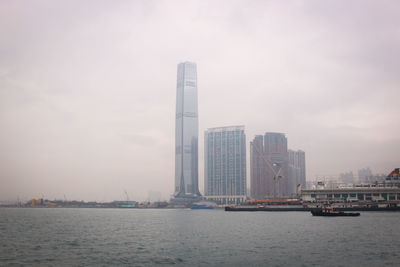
[
  {"x": 260, "y": 186},
  {"x": 269, "y": 166},
  {"x": 275, "y": 149},
  {"x": 297, "y": 170},
  {"x": 301, "y": 163},
  {"x": 225, "y": 164},
  {"x": 186, "y": 132},
  {"x": 364, "y": 174}
]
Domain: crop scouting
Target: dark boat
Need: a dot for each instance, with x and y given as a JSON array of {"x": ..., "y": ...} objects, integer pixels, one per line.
[{"x": 332, "y": 212}]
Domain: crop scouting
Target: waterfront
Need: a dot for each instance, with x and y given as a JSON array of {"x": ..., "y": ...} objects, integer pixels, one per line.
[{"x": 186, "y": 237}]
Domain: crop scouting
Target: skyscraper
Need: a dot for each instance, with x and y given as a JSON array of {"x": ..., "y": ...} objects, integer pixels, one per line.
[
  {"x": 297, "y": 170},
  {"x": 269, "y": 166},
  {"x": 186, "y": 132},
  {"x": 225, "y": 164},
  {"x": 301, "y": 162},
  {"x": 275, "y": 171},
  {"x": 275, "y": 149},
  {"x": 260, "y": 186}
]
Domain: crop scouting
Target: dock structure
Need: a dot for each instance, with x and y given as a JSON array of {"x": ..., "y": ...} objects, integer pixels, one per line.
[
  {"x": 379, "y": 193},
  {"x": 227, "y": 199},
  {"x": 370, "y": 194}
]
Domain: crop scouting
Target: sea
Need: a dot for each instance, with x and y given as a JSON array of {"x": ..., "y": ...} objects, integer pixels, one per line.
[{"x": 184, "y": 237}]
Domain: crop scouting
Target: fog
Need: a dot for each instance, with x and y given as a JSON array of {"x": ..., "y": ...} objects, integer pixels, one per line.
[{"x": 88, "y": 88}]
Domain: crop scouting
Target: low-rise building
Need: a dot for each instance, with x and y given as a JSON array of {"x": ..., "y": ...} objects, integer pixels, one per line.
[{"x": 382, "y": 192}]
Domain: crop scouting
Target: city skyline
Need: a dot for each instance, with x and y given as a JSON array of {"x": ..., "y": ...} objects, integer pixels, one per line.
[{"x": 88, "y": 90}]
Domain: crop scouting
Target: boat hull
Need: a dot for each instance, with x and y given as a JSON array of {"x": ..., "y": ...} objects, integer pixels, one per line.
[
  {"x": 319, "y": 212},
  {"x": 202, "y": 207}
]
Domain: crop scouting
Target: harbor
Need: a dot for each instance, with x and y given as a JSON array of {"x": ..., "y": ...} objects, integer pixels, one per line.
[{"x": 378, "y": 196}]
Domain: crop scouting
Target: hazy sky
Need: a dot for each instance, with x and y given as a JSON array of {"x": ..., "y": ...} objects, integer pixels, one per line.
[{"x": 88, "y": 88}]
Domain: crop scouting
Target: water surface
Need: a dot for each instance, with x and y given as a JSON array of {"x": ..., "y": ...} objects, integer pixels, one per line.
[{"x": 184, "y": 237}]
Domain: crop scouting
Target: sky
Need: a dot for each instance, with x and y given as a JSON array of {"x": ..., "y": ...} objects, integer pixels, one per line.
[{"x": 88, "y": 88}]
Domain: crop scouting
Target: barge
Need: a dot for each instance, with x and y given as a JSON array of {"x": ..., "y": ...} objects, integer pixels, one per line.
[{"x": 332, "y": 212}]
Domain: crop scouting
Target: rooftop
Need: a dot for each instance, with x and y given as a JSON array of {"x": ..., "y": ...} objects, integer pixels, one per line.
[{"x": 226, "y": 128}]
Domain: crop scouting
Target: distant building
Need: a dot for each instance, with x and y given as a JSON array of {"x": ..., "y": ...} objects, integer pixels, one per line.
[
  {"x": 225, "y": 164},
  {"x": 186, "y": 133},
  {"x": 260, "y": 185},
  {"x": 297, "y": 170},
  {"x": 347, "y": 177},
  {"x": 275, "y": 147},
  {"x": 364, "y": 174},
  {"x": 269, "y": 167},
  {"x": 275, "y": 171}
]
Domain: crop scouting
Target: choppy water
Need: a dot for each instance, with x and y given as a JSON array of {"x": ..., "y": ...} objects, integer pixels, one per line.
[{"x": 77, "y": 237}]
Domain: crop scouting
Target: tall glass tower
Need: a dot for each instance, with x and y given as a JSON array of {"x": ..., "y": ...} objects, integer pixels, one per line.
[{"x": 186, "y": 132}]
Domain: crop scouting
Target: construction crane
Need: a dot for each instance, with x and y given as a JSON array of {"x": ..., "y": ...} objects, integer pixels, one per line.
[
  {"x": 128, "y": 204},
  {"x": 127, "y": 197}
]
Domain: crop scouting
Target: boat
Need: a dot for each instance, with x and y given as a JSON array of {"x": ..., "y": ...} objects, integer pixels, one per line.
[
  {"x": 332, "y": 212},
  {"x": 127, "y": 206},
  {"x": 203, "y": 206}
]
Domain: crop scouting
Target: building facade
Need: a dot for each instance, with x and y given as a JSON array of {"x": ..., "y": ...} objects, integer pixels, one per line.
[
  {"x": 275, "y": 172},
  {"x": 364, "y": 194},
  {"x": 260, "y": 185},
  {"x": 186, "y": 132},
  {"x": 225, "y": 165},
  {"x": 275, "y": 149},
  {"x": 297, "y": 170},
  {"x": 261, "y": 170}
]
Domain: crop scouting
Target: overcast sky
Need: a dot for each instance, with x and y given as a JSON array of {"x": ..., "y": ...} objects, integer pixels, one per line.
[{"x": 88, "y": 88}]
